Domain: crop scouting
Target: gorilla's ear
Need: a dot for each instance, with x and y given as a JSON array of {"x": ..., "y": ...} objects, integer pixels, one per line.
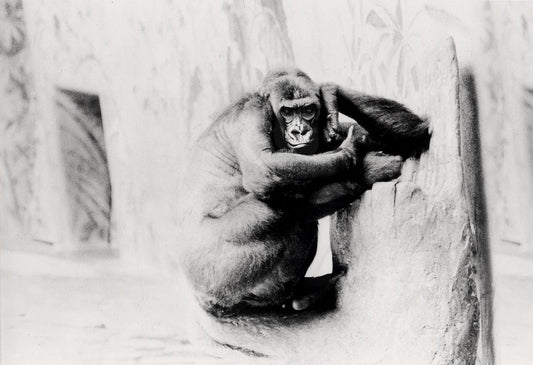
[
  {"x": 265, "y": 90},
  {"x": 269, "y": 110},
  {"x": 264, "y": 94},
  {"x": 269, "y": 84},
  {"x": 276, "y": 130}
]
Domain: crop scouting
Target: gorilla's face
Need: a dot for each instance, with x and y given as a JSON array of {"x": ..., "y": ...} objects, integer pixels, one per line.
[{"x": 296, "y": 105}]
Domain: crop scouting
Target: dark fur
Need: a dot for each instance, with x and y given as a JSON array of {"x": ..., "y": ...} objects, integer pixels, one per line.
[{"x": 255, "y": 201}]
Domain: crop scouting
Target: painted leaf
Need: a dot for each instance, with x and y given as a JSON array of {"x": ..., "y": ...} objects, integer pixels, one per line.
[
  {"x": 11, "y": 35},
  {"x": 382, "y": 38},
  {"x": 397, "y": 38},
  {"x": 414, "y": 77},
  {"x": 375, "y": 20},
  {"x": 399, "y": 71},
  {"x": 4, "y": 76},
  {"x": 399, "y": 17},
  {"x": 383, "y": 71}
]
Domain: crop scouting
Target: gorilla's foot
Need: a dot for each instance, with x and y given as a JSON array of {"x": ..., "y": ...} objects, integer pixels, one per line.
[{"x": 315, "y": 291}]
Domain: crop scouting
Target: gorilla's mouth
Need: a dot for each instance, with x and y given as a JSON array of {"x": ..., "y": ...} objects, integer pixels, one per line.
[
  {"x": 300, "y": 141},
  {"x": 305, "y": 148},
  {"x": 300, "y": 144}
]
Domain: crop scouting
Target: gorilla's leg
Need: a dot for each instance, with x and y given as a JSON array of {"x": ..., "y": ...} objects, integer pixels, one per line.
[
  {"x": 253, "y": 258},
  {"x": 311, "y": 291},
  {"x": 247, "y": 219}
]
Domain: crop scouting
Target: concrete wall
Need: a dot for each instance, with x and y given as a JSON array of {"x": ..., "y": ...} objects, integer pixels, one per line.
[
  {"x": 504, "y": 80},
  {"x": 162, "y": 74},
  {"x": 18, "y": 125}
]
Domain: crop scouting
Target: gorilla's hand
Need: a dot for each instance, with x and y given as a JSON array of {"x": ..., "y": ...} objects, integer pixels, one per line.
[
  {"x": 355, "y": 146},
  {"x": 331, "y": 131}
]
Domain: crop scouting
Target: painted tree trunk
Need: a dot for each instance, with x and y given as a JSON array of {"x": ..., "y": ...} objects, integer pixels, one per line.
[{"x": 417, "y": 289}]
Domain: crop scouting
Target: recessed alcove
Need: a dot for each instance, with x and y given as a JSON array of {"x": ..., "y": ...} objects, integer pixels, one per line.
[{"x": 82, "y": 146}]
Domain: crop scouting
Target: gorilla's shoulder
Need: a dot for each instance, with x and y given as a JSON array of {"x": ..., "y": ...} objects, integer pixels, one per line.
[
  {"x": 248, "y": 105},
  {"x": 252, "y": 101}
]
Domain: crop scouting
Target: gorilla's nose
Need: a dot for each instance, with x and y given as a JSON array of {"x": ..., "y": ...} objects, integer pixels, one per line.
[{"x": 300, "y": 132}]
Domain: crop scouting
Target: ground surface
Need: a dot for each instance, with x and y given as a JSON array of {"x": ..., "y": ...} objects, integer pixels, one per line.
[
  {"x": 513, "y": 309},
  {"x": 95, "y": 311},
  {"x": 64, "y": 311}
]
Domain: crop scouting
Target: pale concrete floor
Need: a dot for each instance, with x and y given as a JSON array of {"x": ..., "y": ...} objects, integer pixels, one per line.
[
  {"x": 64, "y": 311},
  {"x": 513, "y": 309}
]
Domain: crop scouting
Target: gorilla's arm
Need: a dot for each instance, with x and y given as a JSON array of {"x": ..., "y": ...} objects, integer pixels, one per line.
[
  {"x": 382, "y": 118},
  {"x": 391, "y": 126},
  {"x": 326, "y": 199},
  {"x": 266, "y": 171}
]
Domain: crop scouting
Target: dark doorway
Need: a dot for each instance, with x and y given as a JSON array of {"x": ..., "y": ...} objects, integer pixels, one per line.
[{"x": 86, "y": 168}]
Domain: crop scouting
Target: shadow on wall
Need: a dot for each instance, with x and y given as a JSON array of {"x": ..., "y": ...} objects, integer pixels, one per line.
[{"x": 476, "y": 199}]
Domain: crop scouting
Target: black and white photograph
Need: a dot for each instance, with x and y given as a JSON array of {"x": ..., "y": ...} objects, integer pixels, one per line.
[{"x": 266, "y": 182}]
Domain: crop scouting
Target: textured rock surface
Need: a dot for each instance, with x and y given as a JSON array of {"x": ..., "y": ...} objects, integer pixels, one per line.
[{"x": 413, "y": 293}]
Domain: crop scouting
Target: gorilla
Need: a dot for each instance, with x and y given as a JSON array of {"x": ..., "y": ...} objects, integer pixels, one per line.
[{"x": 266, "y": 170}]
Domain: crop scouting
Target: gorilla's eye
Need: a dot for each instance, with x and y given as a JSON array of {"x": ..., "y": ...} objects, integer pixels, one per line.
[
  {"x": 308, "y": 113},
  {"x": 286, "y": 112}
]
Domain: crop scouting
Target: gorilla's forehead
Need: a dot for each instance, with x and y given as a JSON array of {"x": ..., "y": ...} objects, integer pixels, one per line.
[
  {"x": 296, "y": 88},
  {"x": 285, "y": 71},
  {"x": 301, "y": 102}
]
